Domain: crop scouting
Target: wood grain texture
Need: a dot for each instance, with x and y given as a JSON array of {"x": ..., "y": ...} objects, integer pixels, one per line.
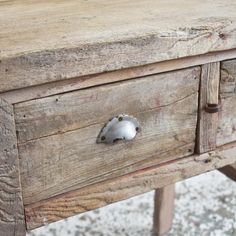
[
  {"x": 57, "y": 135},
  {"x": 102, "y": 194},
  {"x": 12, "y": 222},
  {"x": 208, "y": 122},
  {"x": 227, "y": 120},
  {"x": 213, "y": 81},
  {"x": 53, "y": 88},
  {"x": 229, "y": 171},
  {"x": 163, "y": 210},
  {"x": 56, "y": 40}
]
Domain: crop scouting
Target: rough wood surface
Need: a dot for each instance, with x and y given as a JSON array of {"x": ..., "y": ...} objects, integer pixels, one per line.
[
  {"x": 213, "y": 81},
  {"x": 45, "y": 41},
  {"x": 102, "y": 194},
  {"x": 227, "y": 120},
  {"x": 53, "y": 88},
  {"x": 229, "y": 171},
  {"x": 12, "y": 222},
  {"x": 163, "y": 210},
  {"x": 208, "y": 122},
  {"x": 57, "y": 135}
]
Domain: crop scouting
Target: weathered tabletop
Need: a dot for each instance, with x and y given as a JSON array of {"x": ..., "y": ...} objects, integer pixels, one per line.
[{"x": 45, "y": 41}]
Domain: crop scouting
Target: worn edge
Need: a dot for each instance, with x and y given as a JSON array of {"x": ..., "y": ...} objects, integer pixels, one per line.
[{"x": 72, "y": 84}]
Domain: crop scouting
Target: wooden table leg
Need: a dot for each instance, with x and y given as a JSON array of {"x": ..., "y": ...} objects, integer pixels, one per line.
[
  {"x": 164, "y": 210},
  {"x": 12, "y": 221},
  {"x": 229, "y": 171}
]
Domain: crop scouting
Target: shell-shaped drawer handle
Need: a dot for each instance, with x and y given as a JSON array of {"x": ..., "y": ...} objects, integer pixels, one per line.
[{"x": 121, "y": 127}]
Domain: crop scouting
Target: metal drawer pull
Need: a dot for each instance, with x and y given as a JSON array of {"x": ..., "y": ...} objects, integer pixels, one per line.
[{"x": 121, "y": 127}]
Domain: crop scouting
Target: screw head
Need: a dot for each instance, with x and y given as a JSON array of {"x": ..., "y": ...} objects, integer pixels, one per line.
[{"x": 212, "y": 108}]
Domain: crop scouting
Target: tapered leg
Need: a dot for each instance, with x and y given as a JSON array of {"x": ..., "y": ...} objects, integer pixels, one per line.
[
  {"x": 229, "y": 171},
  {"x": 164, "y": 210}
]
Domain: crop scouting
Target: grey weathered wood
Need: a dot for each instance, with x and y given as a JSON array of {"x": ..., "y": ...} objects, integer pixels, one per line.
[
  {"x": 208, "y": 122},
  {"x": 57, "y": 87},
  {"x": 104, "y": 193},
  {"x": 56, "y": 40},
  {"x": 213, "y": 81},
  {"x": 163, "y": 210},
  {"x": 57, "y": 135},
  {"x": 12, "y": 222},
  {"x": 227, "y": 120}
]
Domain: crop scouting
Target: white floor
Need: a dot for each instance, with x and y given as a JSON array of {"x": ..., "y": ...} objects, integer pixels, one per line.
[{"x": 205, "y": 206}]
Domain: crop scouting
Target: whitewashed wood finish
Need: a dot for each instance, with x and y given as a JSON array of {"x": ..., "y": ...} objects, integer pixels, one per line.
[
  {"x": 12, "y": 221},
  {"x": 56, "y": 40},
  {"x": 57, "y": 135},
  {"x": 53, "y": 88},
  {"x": 121, "y": 188},
  {"x": 227, "y": 120},
  {"x": 208, "y": 122}
]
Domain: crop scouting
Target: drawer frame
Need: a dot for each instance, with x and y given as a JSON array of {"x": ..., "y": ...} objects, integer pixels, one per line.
[{"x": 208, "y": 157}]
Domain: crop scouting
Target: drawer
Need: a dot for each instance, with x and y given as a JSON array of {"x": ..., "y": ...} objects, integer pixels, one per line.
[
  {"x": 57, "y": 135},
  {"x": 226, "y": 132}
]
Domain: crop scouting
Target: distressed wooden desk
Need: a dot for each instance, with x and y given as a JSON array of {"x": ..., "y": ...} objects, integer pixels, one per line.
[{"x": 67, "y": 67}]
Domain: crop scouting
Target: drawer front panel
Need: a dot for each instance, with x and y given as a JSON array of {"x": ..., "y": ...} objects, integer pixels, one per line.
[
  {"x": 57, "y": 135},
  {"x": 226, "y": 132}
]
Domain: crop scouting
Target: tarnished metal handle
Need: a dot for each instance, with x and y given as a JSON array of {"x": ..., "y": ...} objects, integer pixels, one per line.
[{"x": 121, "y": 127}]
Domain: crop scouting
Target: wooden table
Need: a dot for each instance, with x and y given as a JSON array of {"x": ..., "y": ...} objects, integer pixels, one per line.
[{"x": 68, "y": 67}]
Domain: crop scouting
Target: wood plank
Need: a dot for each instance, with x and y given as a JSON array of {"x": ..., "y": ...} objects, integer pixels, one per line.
[
  {"x": 12, "y": 221},
  {"x": 163, "y": 210},
  {"x": 80, "y": 38},
  {"x": 229, "y": 171},
  {"x": 57, "y": 135},
  {"x": 209, "y": 93},
  {"x": 102, "y": 194},
  {"x": 227, "y": 120},
  {"x": 48, "y": 89},
  {"x": 213, "y": 81},
  {"x": 66, "y": 112}
]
